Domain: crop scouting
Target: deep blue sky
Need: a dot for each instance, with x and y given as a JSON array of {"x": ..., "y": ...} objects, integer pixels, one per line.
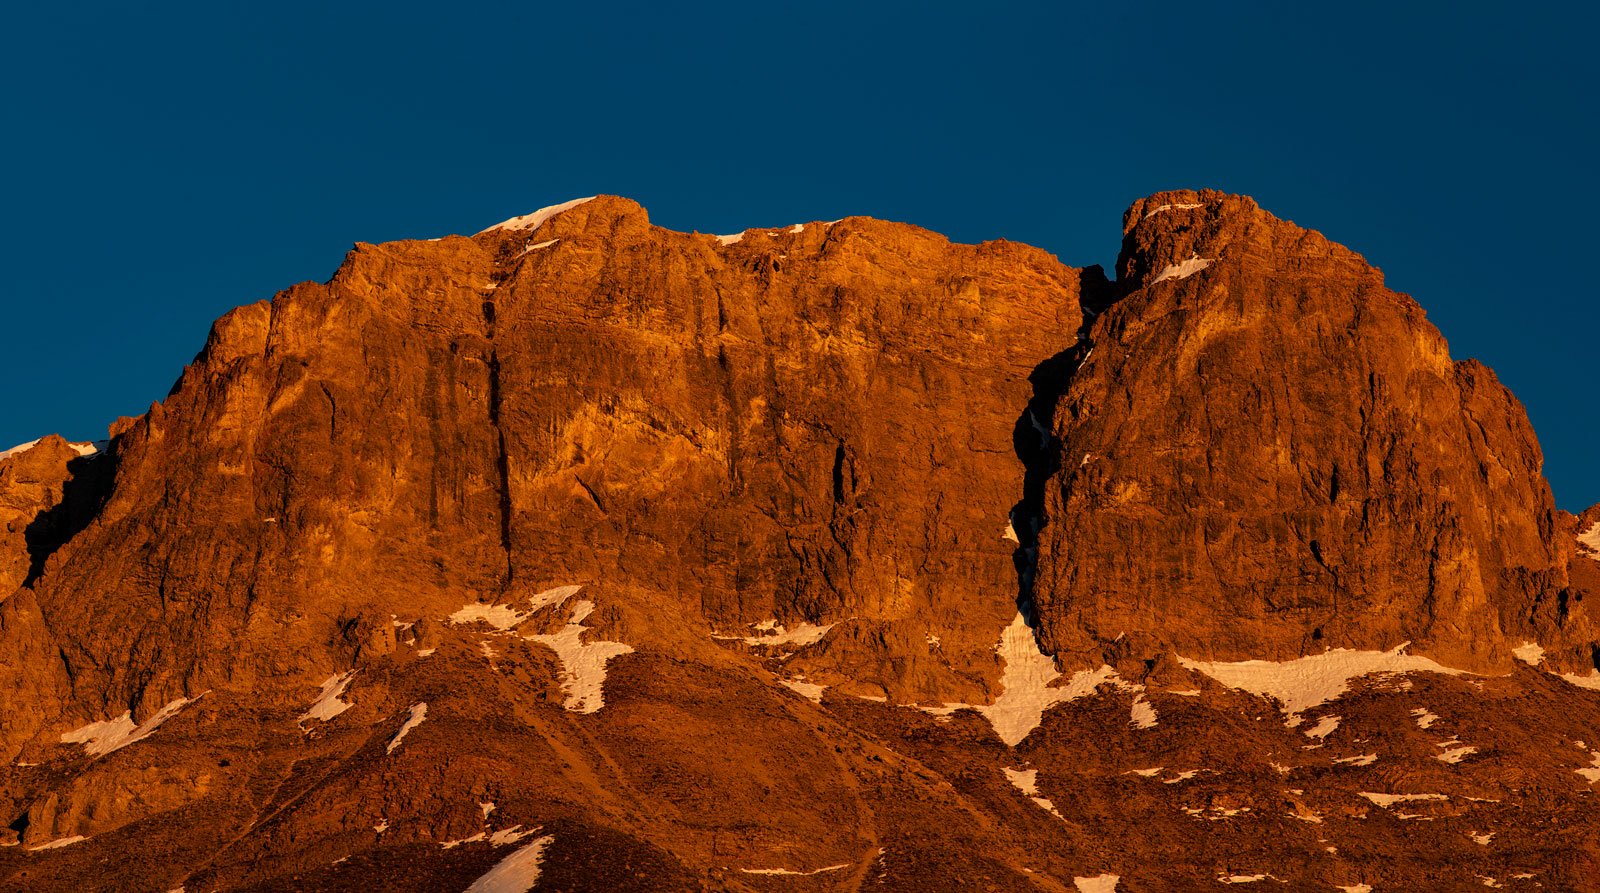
[{"x": 165, "y": 164}]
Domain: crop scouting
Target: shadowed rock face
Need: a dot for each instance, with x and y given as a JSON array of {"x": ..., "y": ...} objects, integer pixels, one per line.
[
  {"x": 1268, "y": 453},
  {"x": 648, "y": 560}
]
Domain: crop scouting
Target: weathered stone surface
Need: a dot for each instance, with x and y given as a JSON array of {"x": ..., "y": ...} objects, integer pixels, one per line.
[
  {"x": 1267, "y": 453},
  {"x": 684, "y": 560}
]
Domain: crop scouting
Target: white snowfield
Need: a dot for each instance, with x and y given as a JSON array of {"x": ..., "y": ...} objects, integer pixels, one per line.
[
  {"x": 516, "y": 873},
  {"x": 1182, "y": 269},
  {"x": 419, "y": 712},
  {"x": 329, "y": 703},
  {"x": 101, "y": 738},
  {"x": 583, "y": 664},
  {"x": 531, "y": 222},
  {"x": 1298, "y": 685},
  {"x": 1100, "y": 883}
]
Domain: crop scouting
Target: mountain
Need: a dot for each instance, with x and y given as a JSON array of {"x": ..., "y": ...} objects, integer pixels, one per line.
[{"x": 581, "y": 554}]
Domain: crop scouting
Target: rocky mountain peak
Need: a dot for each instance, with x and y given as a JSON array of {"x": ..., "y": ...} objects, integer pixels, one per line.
[
  {"x": 1269, "y": 454},
  {"x": 824, "y": 556}
]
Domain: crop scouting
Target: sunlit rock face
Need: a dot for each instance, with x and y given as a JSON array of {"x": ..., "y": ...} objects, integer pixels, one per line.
[
  {"x": 581, "y": 554},
  {"x": 1267, "y": 453}
]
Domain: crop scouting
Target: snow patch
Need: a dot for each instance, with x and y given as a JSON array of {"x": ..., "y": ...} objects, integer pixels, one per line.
[
  {"x": 1182, "y": 270},
  {"x": 516, "y": 873},
  {"x": 57, "y": 844},
  {"x": 1243, "y": 878},
  {"x": 1592, "y": 773},
  {"x": 729, "y": 240},
  {"x": 1356, "y": 888},
  {"x": 419, "y": 711},
  {"x": 1388, "y": 800},
  {"x": 1147, "y": 773},
  {"x": 501, "y": 617},
  {"x": 1425, "y": 719},
  {"x": 1529, "y": 653},
  {"x": 1590, "y": 537},
  {"x": 531, "y": 222},
  {"x": 808, "y": 690},
  {"x": 381, "y": 826},
  {"x": 101, "y": 738},
  {"x": 1454, "y": 752},
  {"x": 1306, "y": 682},
  {"x": 1100, "y": 883},
  {"x": 1324, "y": 727},
  {"x": 1591, "y": 681},
  {"x": 1184, "y": 206},
  {"x": 1185, "y": 775},
  {"x": 583, "y": 664},
  {"x": 1482, "y": 839},
  {"x": 1363, "y": 760},
  {"x": 790, "y": 871},
  {"x": 804, "y": 634},
  {"x": 537, "y": 245},
  {"x": 1026, "y": 685},
  {"x": 1143, "y": 713},
  {"x": 1024, "y": 780},
  {"x": 19, "y": 448},
  {"x": 328, "y": 704}
]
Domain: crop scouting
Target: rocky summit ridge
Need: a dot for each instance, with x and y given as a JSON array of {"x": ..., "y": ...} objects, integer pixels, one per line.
[{"x": 582, "y": 554}]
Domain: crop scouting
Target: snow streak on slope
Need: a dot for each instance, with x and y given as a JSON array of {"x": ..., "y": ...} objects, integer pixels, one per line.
[
  {"x": 1183, "y": 206},
  {"x": 1301, "y": 684},
  {"x": 531, "y": 222},
  {"x": 19, "y": 448},
  {"x": 101, "y": 738},
  {"x": 328, "y": 704},
  {"x": 419, "y": 711},
  {"x": 1182, "y": 270},
  {"x": 583, "y": 664},
  {"x": 516, "y": 873}
]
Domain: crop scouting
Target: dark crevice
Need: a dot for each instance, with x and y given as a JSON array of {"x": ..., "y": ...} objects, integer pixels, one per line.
[
  {"x": 1033, "y": 436},
  {"x": 82, "y": 495},
  {"x": 502, "y": 456}
]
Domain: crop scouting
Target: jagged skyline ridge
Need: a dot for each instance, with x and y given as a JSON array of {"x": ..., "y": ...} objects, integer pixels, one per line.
[{"x": 228, "y": 153}]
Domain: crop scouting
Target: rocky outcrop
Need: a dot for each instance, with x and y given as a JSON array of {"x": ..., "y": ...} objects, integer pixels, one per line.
[
  {"x": 806, "y": 425},
  {"x": 589, "y": 553},
  {"x": 1267, "y": 453}
]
